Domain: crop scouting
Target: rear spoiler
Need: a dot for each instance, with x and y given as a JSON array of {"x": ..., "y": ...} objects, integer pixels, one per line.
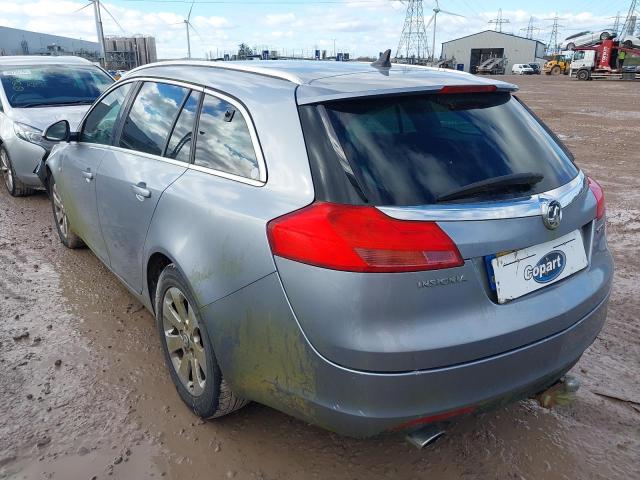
[{"x": 308, "y": 94}]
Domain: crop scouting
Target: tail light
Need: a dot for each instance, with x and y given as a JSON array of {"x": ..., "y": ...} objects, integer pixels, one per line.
[
  {"x": 597, "y": 191},
  {"x": 360, "y": 239},
  {"x": 468, "y": 89}
]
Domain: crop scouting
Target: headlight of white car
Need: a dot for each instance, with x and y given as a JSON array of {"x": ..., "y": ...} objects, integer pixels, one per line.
[{"x": 31, "y": 134}]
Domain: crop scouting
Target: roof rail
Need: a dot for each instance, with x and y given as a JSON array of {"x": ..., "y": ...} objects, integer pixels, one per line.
[{"x": 229, "y": 65}]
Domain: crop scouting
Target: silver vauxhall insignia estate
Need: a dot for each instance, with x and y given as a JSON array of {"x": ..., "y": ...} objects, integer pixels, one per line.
[
  {"x": 369, "y": 249},
  {"x": 35, "y": 91}
]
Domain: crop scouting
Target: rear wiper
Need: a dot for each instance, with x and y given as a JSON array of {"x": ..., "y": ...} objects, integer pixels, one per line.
[{"x": 503, "y": 182}]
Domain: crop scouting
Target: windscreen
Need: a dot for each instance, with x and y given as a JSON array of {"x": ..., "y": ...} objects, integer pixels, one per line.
[
  {"x": 414, "y": 150},
  {"x": 50, "y": 85}
]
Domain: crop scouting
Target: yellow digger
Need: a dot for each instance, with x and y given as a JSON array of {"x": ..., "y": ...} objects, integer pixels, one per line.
[{"x": 557, "y": 64}]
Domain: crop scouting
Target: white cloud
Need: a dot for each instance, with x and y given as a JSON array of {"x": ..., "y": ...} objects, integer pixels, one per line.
[
  {"x": 216, "y": 22},
  {"x": 281, "y": 34},
  {"x": 276, "y": 19}
]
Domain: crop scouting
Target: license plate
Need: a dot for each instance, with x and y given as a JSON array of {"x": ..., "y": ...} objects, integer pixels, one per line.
[{"x": 530, "y": 269}]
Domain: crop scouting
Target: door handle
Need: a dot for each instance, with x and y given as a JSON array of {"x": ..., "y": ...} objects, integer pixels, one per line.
[
  {"x": 87, "y": 174},
  {"x": 141, "y": 191}
]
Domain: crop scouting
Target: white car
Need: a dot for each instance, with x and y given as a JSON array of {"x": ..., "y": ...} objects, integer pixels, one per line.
[
  {"x": 34, "y": 92},
  {"x": 585, "y": 38},
  {"x": 522, "y": 69},
  {"x": 629, "y": 41}
]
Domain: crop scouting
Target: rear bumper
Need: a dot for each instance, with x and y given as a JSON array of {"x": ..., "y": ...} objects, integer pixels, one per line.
[
  {"x": 364, "y": 404},
  {"x": 265, "y": 357}
]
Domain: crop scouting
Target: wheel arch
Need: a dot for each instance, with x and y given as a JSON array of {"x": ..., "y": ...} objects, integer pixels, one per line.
[{"x": 156, "y": 263}]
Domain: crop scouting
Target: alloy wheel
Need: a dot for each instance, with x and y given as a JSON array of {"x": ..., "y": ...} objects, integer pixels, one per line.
[
  {"x": 184, "y": 341},
  {"x": 5, "y": 168},
  {"x": 60, "y": 213}
]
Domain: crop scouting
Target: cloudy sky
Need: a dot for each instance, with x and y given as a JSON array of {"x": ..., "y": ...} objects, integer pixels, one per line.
[{"x": 361, "y": 27}]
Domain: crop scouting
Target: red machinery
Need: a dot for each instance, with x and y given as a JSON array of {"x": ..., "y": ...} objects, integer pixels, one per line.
[{"x": 607, "y": 53}]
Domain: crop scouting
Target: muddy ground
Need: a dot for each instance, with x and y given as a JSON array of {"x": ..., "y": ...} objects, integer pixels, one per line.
[{"x": 86, "y": 395}]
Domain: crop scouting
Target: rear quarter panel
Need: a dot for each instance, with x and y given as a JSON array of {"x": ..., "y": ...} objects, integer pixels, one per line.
[{"x": 214, "y": 228}]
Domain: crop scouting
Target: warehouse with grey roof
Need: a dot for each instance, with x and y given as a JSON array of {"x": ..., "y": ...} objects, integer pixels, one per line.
[{"x": 470, "y": 51}]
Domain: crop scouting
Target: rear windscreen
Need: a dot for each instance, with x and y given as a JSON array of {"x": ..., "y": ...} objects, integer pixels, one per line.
[{"x": 411, "y": 150}]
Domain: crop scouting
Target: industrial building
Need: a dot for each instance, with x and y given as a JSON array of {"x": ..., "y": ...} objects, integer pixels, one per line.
[
  {"x": 125, "y": 53},
  {"x": 23, "y": 42},
  {"x": 470, "y": 51}
]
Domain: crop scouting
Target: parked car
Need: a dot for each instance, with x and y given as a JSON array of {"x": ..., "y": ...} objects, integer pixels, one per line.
[
  {"x": 522, "y": 69},
  {"x": 355, "y": 249},
  {"x": 585, "y": 38},
  {"x": 34, "y": 91},
  {"x": 536, "y": 68},
  {"x": 630, "y": 41}
]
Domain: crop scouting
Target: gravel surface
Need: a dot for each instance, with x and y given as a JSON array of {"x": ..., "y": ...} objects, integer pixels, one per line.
[{"x": 84, "y": 392}]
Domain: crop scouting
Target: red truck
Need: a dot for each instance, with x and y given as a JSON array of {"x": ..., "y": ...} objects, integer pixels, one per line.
[{"x": 601, "y": 62}]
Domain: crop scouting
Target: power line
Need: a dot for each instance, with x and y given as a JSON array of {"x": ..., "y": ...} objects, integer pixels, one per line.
[
  {"x": 629, "y": 22},
  {"x": 616, "y": 24},
  {"x": 499, "y": 21},
  {"x": 413, "y": 39},
  {"x": 530, "y": 28},
  {"x": 552, "y": 46}
]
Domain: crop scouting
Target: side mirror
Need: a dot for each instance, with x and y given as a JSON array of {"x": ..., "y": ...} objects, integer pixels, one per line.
[{"x": 58, "y": 132}]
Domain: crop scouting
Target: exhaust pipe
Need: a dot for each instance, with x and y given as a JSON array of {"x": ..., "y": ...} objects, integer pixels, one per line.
[{"x": 426, "y": 435}]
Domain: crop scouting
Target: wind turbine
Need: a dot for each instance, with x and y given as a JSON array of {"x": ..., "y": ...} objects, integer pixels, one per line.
[
  {"x": 187, "y": 24},
  {"x": 434, "y": 19},
  {"x": 97, "y": 6}
]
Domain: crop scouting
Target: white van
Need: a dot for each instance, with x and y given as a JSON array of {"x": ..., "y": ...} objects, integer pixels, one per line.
[{"x": 522, "y": 69}]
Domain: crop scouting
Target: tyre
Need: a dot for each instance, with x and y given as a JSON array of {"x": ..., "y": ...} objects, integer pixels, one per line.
[
  {"x": 66, "y": 234},
  {"x": 188, "y": 351},
  {"x": 14, "y": 186},
  {"x": 605, "y": 36},
  {"x": 556, "y": 70},
  {"x": 571, "y": 46},
  {"x": 627, "y": 44},
  {"x": 583, "y": 75}
]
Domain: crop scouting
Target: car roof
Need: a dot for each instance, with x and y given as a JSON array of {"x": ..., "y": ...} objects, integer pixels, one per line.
[
  {"x": 43, "y": 60},
  {"x": 317, "y": 80},
  {"x": 576, "y": 35}
]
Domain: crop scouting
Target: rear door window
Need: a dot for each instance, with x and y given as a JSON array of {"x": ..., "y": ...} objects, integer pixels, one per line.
[
  {"x": 411, "y": 150},
  {"x": 151, "y": 117},
  {"x": 179, "y": 146},
  {"x": 224, "y": 142}
]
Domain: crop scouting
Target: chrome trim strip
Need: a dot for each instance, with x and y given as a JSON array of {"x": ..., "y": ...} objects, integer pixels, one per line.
[
  {"x": 179, "y": 83},
  {"x": 137, "y": 153},
  {"x": 592, "y": 232},
  {"x": 267, "y": 72},
  {"x": 228, "y": 176},
  {"x": 185, "y": 165},
  {"x": 527, "y": 207}
]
